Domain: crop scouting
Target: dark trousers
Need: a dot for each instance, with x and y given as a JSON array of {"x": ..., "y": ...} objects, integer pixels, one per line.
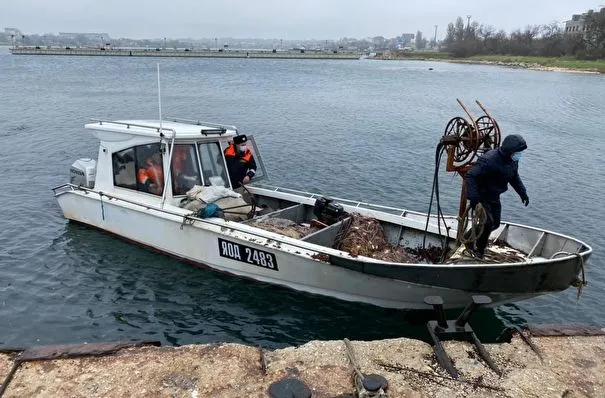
[{"x": 493, "y": 211}]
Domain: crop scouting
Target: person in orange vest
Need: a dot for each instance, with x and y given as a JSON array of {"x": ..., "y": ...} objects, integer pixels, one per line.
[
  {"x": 184, "y": 173},
  {"x": 151, "y": 176},
  {"x": 179, "y": 157},
  {"x": 240, "y": 161}
]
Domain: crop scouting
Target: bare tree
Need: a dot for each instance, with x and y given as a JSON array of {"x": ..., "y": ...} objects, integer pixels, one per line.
[
  {"x": 459, "y": 29},
  {"x": 450, "y": 36},
  {"x": 594, "y": 36},
  {"x": 420, "y": 41}
]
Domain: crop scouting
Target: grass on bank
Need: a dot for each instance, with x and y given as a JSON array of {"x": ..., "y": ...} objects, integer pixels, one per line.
[{"x": 556, "y": 62}]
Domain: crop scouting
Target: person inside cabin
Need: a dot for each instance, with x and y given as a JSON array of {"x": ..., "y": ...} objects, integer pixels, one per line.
[
  {"x": 179, "y": 159},
  {"x": 489, "y": 178},
  {"x": 184, "y": 173},
  {"x": 151, "y": 174},
  {"x": 240, "y": 161}
]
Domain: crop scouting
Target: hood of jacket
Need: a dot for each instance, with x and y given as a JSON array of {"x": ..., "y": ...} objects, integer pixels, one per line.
[{"x": 512, "y": 143}]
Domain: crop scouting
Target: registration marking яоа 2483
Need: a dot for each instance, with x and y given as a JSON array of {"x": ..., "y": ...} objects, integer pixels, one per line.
[{"x": 246, "y": 254}]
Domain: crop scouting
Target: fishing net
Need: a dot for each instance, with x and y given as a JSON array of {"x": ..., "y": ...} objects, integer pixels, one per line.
[
  {"x": 364, "y": 236},
  {"x": 283, "y": 226}
]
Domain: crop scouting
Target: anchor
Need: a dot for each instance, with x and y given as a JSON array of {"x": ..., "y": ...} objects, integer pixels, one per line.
[{"x": 458, "y": 329}]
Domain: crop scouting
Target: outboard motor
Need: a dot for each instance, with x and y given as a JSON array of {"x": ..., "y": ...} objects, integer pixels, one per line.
[
  {"x": 82, "y": 173},
  {"x": 328, "y": 211}
]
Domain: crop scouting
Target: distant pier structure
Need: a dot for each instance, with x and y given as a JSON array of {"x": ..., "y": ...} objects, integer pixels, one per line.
[{"x": 163, "y": 52}]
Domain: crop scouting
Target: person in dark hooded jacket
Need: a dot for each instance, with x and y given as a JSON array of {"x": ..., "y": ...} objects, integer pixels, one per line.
[{"x": 489, "y": 178}]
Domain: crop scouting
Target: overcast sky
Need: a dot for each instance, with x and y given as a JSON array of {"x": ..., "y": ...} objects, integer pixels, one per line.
[{"x": 274, "y": 19}]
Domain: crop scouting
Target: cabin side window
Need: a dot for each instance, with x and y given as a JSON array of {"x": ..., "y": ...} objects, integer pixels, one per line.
[
  {"x": 124, "y": 170},
  {"x": 150, "y": 169},
  {"x": 213, "y": 164},
  {"x": 139, "y": 168},
  {"x": 185, "y": 169}
]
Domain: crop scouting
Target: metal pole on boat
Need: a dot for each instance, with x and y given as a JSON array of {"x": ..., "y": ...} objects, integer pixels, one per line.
[
  {"x": 162, "y": 134},
  {"x": 159, "y": 97},
  {"x": 168, "y": 179}
]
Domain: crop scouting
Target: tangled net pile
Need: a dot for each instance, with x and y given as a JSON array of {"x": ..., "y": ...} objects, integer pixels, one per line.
[
  {"x": 364, "y": 236},
  {"x": 283, "y": 226}
]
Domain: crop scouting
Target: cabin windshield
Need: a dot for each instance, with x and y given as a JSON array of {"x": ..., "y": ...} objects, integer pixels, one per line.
[
  {"x": 187, "y": 161},
  {"x": 185, "y": 169},
  {"x": 213, "y": 164},
  {"x": 141, "y": 167}
]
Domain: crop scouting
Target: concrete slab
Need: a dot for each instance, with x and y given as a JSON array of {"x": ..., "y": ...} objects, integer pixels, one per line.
[{"x": 572, "y": 367}]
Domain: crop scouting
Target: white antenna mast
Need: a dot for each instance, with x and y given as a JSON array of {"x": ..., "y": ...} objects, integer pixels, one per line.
[
  {"x": 160, "y": 98},
  {"x": 167, "y": 179}
]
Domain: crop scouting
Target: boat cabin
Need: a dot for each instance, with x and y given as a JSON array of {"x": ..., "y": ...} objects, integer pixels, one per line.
[{"x": 163, "y": 160}]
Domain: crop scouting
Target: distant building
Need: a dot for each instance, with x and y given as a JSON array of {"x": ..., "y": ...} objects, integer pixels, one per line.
[
  {"x": 577, "y": 25},
  {"x": 405, "y": 41},
  {"x": 407, "y": 38},
  {"x": 13, "y": 32},
  {"x": 88, "y": 36}
]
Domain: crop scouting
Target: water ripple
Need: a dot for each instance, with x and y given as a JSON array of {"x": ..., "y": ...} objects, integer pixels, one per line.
[{"x": 363, "y": 130}]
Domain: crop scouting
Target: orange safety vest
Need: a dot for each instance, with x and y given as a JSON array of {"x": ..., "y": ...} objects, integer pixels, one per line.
[
  {"x": 152, "y": 173},
  {"x": 231, "y": 152},
  {"x": 178, "y": 159}
]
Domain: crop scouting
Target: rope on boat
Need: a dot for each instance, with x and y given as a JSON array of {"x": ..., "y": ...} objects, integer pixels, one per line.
[
  {"x": 358, "y": 376},
  {"x": 440, "y": 150},
  {"x": 102, "y": 208},
  {"x": 578, "y": 283},
  {"x": 478, "y": 220}
]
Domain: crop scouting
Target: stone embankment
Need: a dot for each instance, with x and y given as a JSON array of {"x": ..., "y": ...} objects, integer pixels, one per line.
[
  {"x": 561, "y": 366},
  {"x": 184, "y": 53},
  {"x": 529, "y": 65},
  {"x": 519, "y": 65}
]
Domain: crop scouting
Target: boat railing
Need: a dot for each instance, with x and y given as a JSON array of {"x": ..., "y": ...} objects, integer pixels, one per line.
[
  {"x": 201, "y": 123},
  {"x": 129, "y": 124},
  {"x": 61, "y": 189},
  {"x": 363, "y": 205},
  {"x": 68, "y": 187},
  {"x": 398, "y": 212},
  {"x": 187, "y": 218},
  {"x": 64, "y": 188}
]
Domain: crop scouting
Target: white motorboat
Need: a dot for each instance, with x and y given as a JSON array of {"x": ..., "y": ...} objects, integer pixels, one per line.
[{"x": 107, "y": 194}]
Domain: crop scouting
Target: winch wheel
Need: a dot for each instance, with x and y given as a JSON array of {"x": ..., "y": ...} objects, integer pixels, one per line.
[
  {"x": 489, "y": 133},
  {"x": 466, "y": 140}
]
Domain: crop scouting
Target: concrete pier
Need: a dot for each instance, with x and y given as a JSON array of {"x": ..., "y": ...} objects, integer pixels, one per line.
[
  {"x": 557, "y": 366},
  {"x": 163, "y": 52}
]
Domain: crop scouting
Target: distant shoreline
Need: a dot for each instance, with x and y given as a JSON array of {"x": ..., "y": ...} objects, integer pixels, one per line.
[
  {"x": 543, "y": 64},
  {"x": 523, "y": 65},
  {"x": 185, "y": 52},
  {"x": 520, "y": 62}
]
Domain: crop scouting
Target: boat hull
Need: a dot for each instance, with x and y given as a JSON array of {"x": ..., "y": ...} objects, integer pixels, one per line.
[
  {"x": 545, "y": 276},
  {"x": 296, "y": 266}
]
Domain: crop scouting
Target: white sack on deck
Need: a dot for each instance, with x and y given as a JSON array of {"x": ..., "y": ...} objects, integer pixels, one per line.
[{"x": 211, "y": 194}]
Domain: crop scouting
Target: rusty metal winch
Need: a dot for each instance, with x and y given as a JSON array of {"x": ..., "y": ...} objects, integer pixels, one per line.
[{"x": 464, "y": 141}]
